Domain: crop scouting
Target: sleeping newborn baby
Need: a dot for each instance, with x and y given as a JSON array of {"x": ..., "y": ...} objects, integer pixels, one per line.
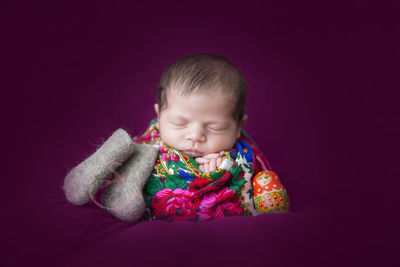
[
  {"x": 202, "y": 120},
  {"x": 205, "y": 164},
  {"x": 206, "y": 161}
]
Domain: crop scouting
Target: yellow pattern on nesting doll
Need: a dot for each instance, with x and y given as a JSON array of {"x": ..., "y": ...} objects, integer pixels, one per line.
[{"x": 269, "y": 193}]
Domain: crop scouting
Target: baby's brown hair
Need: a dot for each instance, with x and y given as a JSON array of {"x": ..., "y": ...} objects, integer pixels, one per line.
[{"x": 203, "y": 72}]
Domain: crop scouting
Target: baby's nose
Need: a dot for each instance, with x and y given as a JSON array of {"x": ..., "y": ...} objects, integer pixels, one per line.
[{"x": 196, "y": 135}]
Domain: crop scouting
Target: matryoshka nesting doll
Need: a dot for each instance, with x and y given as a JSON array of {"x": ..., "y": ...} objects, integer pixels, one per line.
[{"x": 269, "y": 193}]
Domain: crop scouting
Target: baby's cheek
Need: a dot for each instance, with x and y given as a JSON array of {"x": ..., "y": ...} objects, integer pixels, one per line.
[
  {"x": 222, "y": 143},
  {"x": 227, "y": 142}
]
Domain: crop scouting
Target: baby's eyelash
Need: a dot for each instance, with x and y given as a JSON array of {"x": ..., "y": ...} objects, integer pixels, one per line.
[
  {"x": 178, "y": 124},
  {"x": 216, "y": 129}
]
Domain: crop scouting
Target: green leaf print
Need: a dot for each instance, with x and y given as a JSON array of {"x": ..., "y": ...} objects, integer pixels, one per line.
[
  {"x": 250, "y": 169},
  {"x": 235, "y": 171},
  {"x": 181, "y": 165},
  {"x": 237, "y": 183},
  {"x": 215, "y": 175},
  {"x": 251, "y": 193},
  {"x": 175, "y": 182},
  {"x": 147, "y": 200},
  {"x": 154, "y": 184},
  {"x": 192, "y": 161},
  {"x": 168, "y": 165}
]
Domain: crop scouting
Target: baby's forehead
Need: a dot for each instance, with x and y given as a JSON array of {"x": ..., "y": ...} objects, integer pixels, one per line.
[
  {"x": 199, "y": 105},
  {"x": 206, "y": 98},
  {"x": 204, "y": 91}
]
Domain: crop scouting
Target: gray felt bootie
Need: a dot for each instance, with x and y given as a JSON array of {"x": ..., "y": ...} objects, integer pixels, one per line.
[
  {"x": 123, "y": 196},
  {"x": 82, "y": 182}
]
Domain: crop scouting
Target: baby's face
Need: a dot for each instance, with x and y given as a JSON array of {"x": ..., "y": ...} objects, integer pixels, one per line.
[{"x": 198, "y": 124}]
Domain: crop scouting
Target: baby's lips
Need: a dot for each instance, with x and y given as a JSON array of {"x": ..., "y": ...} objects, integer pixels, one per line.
[{"x": 193, "y": 153}]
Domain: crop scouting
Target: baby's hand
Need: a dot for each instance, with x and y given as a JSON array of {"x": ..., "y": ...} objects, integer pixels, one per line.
[{"x": 210, "y": 162}]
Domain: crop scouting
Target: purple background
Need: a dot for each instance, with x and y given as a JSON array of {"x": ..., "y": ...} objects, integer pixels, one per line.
[{"x": 322, "y": 106}]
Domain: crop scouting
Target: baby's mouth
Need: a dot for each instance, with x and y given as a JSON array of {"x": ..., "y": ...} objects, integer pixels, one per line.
[{"x": 193, "y": 153}]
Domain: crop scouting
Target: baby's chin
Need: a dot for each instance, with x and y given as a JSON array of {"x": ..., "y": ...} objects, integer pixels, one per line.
[
  {"x": 193, "y": 153},
  {"x": 199, "y": 153}
]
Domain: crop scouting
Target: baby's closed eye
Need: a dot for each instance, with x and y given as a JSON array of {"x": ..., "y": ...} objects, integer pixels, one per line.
[
  {"x": 216, "y": 129},
  {"x": 177, "y": 123}
]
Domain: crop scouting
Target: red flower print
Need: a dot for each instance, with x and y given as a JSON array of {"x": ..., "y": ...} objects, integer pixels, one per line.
[
  {"x": 177, "y": 205},
  {"x": 163, "y": 149},
  {"x": 174, "y": 157},
  {"x": 202, "y": 186},
  {"x": 198, "y": 183},
  {"x": 217, "y": 205},
  {"x": 165, "y": 157}
]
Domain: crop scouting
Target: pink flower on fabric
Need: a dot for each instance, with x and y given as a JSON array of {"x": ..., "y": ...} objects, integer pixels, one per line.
[
  {"x": 163, "y": 149},
  {"x": 174, "y": 157},
  {"x": 177, "y": 205},
  {"x": 165, "y": 157},
  {"x": 223, "y": 204}
]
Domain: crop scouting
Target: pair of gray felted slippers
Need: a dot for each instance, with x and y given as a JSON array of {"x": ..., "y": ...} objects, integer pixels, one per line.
[{"x": 129, "y": 165}]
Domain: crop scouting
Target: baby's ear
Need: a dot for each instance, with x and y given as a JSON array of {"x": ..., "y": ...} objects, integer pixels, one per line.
[
  {"x": 244, "y": 120},
  {"x": 156, "y": 109},
  {"x": 241, "y": 124}
]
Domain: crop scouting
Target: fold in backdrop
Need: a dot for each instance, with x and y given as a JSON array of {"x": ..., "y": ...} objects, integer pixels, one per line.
[{"x": 321, "y": 106}]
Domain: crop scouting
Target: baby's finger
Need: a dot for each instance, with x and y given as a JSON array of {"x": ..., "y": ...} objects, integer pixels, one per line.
[
  {"x": 219, "y": 162},
  {"x": 206, "y": 167},
  {"x": 201, "y": 168},
  {"x": 212, "y": 165},
  {"x": 202, "y": 160},
  {"x": 211, "y": 156},
  {"x": 222, "y": 153}
]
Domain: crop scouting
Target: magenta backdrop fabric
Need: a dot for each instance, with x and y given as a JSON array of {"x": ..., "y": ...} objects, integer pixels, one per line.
[{"x": 322, "y": 106}]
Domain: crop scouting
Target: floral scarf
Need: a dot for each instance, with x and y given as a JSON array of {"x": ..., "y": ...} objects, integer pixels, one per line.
[{"x": 178, "y": 190}]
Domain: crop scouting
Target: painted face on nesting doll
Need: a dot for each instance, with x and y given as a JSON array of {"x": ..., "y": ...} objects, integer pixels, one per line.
[{"x": 264, "y": 179}]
